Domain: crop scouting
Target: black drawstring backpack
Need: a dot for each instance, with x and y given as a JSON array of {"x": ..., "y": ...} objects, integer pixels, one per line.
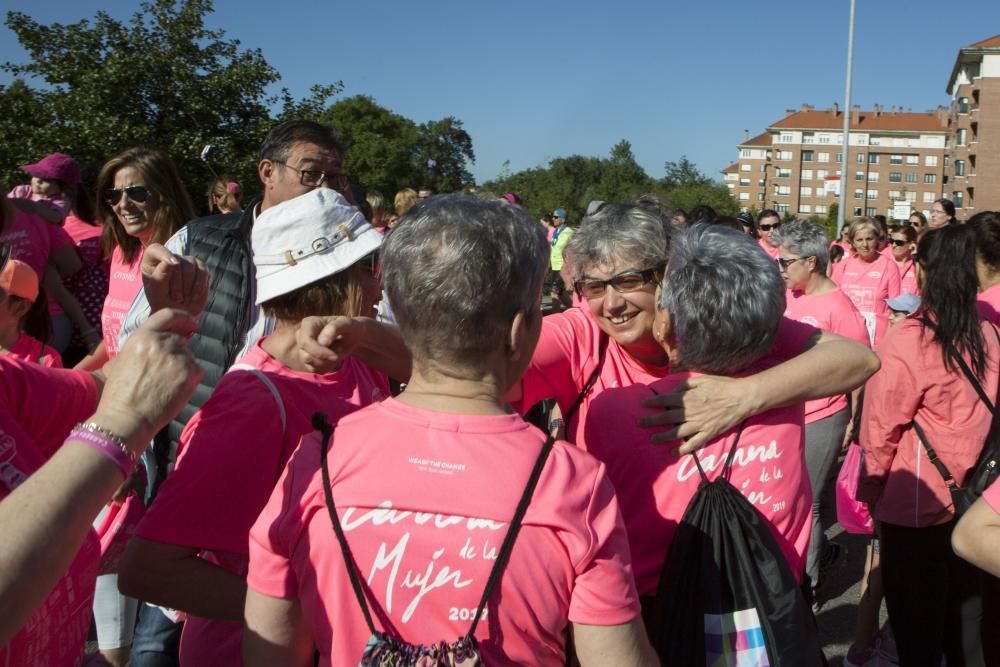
[{"x": 727, "y": 597}]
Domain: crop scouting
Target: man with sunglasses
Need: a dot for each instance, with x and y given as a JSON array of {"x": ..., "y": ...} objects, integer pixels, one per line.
[
  {"x": 768, "y": 223},
  {"x": 296, "y": 157}
]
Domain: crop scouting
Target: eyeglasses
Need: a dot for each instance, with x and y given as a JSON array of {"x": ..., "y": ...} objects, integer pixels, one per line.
[
  {"x": 137, "y": 193},
  {"x": 767, "y": 228},
  {"x": 899, "y": 243},
  {"x": 629, "y": 281},
  {"x": 785, "y": 263},
  {"x": 314, "y": 178}
]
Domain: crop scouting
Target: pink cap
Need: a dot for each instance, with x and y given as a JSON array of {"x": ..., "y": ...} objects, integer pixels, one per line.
[{"x": 56, "y": 167}]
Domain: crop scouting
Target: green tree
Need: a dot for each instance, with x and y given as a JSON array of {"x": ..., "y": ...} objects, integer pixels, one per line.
[
  {"x": 712, "y": 194},
  {"x": 443, "y": 153},
  {"x": 162, "y": 79},
  {"x": 683, "y": 173}
]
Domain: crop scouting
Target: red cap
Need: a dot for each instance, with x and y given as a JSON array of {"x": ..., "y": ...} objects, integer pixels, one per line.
[{"x": 56, "y": 167}]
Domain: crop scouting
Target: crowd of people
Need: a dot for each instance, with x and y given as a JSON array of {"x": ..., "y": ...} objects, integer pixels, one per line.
[{"x": 320, "y": 427}]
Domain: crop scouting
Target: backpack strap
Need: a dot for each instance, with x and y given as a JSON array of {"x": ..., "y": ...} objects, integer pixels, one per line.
[
  {"x": 729, "y": 457},
  {"x": 270, "y": 385},
  {"x": 602, "y": 348}
]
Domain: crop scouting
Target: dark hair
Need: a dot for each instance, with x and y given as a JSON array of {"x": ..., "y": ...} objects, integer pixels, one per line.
[
  {"x": 836, "y": 253},
  {"x": 730, "y": 222},
  {"x": 986, "y": 225},
  {"x": 37, "y": 322},
  {"x": 923, "y": 218},
  {"x": 173, "y": 205},
  {"x": 702, "y": 213},
  {"x": 948, "y": 293},
  {"x": 768, "y": 213},
  {"x": 948, "y": 206},
  {"x": 279, "y": 141},
  {"x": 909, "y": 232}
]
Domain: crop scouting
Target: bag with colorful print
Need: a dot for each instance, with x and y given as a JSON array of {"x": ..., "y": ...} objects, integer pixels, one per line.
[{"x": 727, "y": 597}]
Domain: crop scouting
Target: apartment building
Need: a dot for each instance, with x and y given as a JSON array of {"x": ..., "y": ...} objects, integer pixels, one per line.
[
  {"x": 974, "y": 142},
  {"x": 894, "y": 156}
]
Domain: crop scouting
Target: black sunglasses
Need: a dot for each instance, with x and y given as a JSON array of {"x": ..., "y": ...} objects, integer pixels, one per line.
[
  {"x": 137, "y": 193},
  {"x": 899, "y": 243},
  {"x": 766, "y": 228}
]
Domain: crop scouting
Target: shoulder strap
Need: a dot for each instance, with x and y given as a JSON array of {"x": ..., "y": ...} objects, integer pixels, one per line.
[
  {"x": 932, "y": 456},
  {"x": 729, "y": 457},
  {"x": 270, "y": 385},
  {"x": 602, "y": 349},
  {"x": 321, "y": 424},
  {"x": 961, "y": 363}
]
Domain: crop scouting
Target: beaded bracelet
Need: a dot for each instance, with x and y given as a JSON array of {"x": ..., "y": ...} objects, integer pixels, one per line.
[{"x": 108, "y": 443}]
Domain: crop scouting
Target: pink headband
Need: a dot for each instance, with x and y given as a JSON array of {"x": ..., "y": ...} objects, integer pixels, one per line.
[{"x": 233, "y": 188}]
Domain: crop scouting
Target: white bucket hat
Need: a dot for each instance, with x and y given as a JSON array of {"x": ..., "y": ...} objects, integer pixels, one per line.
[{"x": 304, "y": 239}]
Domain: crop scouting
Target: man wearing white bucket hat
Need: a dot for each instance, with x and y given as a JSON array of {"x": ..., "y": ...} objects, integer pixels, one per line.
[{"x": 315, "y": 255}]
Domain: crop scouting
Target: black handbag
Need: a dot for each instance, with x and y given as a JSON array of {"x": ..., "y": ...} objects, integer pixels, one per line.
[
  {"x": 987, "y": 467},
  {"x": 727, "y": 596}
]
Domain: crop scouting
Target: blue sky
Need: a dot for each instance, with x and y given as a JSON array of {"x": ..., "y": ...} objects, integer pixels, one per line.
[{"x": 538, "y": 80}]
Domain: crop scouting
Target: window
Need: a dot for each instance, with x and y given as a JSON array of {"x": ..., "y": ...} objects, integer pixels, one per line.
[
  {"x": 859, "y": 194},
  {"x": 930, "y": 178},
  {"x": 744, "y": 182},
  {"x": 745, "y": 167},
  {"x": 808, "y": 138},
  {"x": 840, "y": 158},
  {"x": 860, "y": 158},
  {"x": 958, "y": 198},
  {"x": 784, "y": 172},
  {"x": 820, "y": 192},
  {"x": 961, "y": 136},
  {"x": 910, "y": 196},
  {"x": 857, "y": 210},
  {"x": 786, "y": 138},
  {"x": 820, "y": 208},
  {"x": 875, "y": 141},
  {"x": 763, "y": 168},
  {"x": 782, "y": 208},
  {"x": 894, "y": 195},
  {"x": 912, "y": 159},
  {"x": 963, "y": 105},
  {"x": 947, "y": 160},
  {"x": 821, "y": 174},
  {"x": 930, "y": 160},
  {"x": 872, "y": 194},
  {"x": 807, "y": 156},
  {"x": 783, "y": 190},
  {"x": 871, "y": 211},
  {"x": 784, "y": 155},
  {"x": 744, "y": 196},
  {"x": 895, "y": 177},
  {"x": 895, "y": 159},
  {"x": 805, "y": 208},
  {"x": 873, "y": 177},
  {"x": 807, "y": 174},
  {"x": 760, "y": 196},
  {"x": 960, "y": 167},
  {"x": 824, "y": 138},
  {"x": 805, "y": 192},
  {"x": 745, "y": 153},
  {"x": 859, "y": 175},
  {"x": 873, "y": 158},
  {"x": 824, "y": 157},
  {"x": 929, "y": 197},
  {"x": 911, "y": 177}
]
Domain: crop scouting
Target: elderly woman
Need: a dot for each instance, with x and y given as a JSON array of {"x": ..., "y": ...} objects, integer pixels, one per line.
[
  {"x": 720, "y": 309},
  {"x": 868, "y": 277},
  {"x": 465, "y": 279},
  {"x": 813, "y": 298},
  {"x": 236, "y": 446}
]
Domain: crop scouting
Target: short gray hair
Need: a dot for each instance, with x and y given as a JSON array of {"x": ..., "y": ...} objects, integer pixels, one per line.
[
  {"x": 636, "y": 234},
  {"x": 725, "y": 298},
  {"x": 806, "y": 239},
  {"x": 456, "y": 269}
]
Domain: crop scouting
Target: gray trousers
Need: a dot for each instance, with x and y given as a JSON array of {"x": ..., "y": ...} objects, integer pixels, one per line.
[{"x": 823, "y": 441}]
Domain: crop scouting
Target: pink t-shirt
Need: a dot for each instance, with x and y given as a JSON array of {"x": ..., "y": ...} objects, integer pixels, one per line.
[
  {"x": 914, "y": 384},
  {"x": 988, "y": 304},
  {"x": 992, "y": 496},
  {"x": 654, "y": 486},
  {"x": 32, "y": 350},
  {"x": 58, "y": 204},
  {"x": 31, "y": 432},
  {"x": 126, "y": 281},
  {"x": 568, "y": 351},
  {"x": 424, "y": 520},
  {"x": 231, "y": 454},
  {"x": 869, "y": 284},
  {"x": 771, "y": 250},
  {"x": 830, "y": 311},
  {"x": 907, "y": 277},
  {"x": 29, "y": 236}
]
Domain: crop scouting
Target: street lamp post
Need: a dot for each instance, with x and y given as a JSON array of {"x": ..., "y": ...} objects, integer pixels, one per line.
[{"x": 847, "y": 126}]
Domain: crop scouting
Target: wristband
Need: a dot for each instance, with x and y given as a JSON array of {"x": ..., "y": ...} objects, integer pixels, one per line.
[{"x": 106, "y": 442}]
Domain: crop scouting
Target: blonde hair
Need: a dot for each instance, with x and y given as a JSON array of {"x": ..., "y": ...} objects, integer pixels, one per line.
[
  {"x": 224, "y": 194},
  {"x": 859, "y": 224},
  {"x": 404, "y": 201}
]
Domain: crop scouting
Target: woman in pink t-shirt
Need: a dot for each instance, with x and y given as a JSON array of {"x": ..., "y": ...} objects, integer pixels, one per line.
[
  {"x": 425, "y": 486},
  {"x": 815, "y": 299},
  {"x": 868, "y": 277},
  {"x": 238, "y": 443},
  {"x": 904, "y": 241},
  {"x": 141, "y": 200},
  {"x": 987, "y": 228},
  {"x": 933, "y": 598}
]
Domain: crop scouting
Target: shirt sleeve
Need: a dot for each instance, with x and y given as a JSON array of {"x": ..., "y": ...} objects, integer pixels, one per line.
[
  {"x": 848, "y": 322},
  {"x": 140, "y": 309},
  {"x": 892, "y": 397},
  {"x": 604, "y": 591},
  {"x": 567, "y": 351},
  {"x": 225, "y": 471},
  {"x": 29, "y": 390}
]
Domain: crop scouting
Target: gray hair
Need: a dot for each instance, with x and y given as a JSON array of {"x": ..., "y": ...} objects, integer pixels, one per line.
[
  {"x": 457, "y": 269},
  {"x": 725, "y": 298},
  {"x": 806, "y": 239},
  {"x": 633, "y": 235}
]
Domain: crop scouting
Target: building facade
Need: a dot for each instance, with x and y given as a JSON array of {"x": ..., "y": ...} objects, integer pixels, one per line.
[
  {"x": 974, "y": 142},
  {"x": 894, "y": 156}
]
